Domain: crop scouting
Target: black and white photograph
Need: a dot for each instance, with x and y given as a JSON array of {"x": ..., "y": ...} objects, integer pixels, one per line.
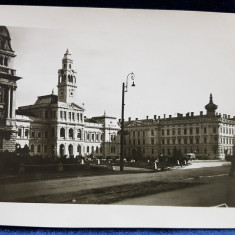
[{"x": 117, "y": 107}]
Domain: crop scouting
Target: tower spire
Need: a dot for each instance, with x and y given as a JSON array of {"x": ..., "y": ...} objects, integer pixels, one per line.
[{"x": 67, "y": 80}]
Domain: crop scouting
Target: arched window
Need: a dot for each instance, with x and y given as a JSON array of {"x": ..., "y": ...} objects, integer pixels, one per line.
[
  {"x": 39, "y": 148},
  {"x": 70, "y": 133},
  {"x": 79, "y": 134},
  {"x": 32, "y": 148},
  {"x": 6, "y": 61},
  {"x": 62, "y": 132},
  {"x": 70, "y": 149},
  {"x": 79, "y": 149}
]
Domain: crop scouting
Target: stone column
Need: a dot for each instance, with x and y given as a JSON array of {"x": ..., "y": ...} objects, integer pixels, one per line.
[
  {"x": 9, "y": 102},
  {"x": 13, "y": 102}
]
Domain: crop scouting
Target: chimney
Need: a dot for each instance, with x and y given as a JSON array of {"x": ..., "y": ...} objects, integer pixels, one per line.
[
  {"x": 178, "y": 114},
  {"x": 169, "y": 116},
  {"x": 129, "y": 119},
  {"x": 187, "y": 114},
  {"x": 147, "y": 117},
  {"x": 155, "y": 117},
  {"x": 164, "y": 116},
  {"x": 201, "y": 113},
  {"x": 228, "y": 116},
  {"x": 119, "y": 120},
  {"x": 181, "y": 115},
  {"x": 159, "y": 117},
  {"x": 136, "y": 119},
  {"x": 192, "y": 114}
]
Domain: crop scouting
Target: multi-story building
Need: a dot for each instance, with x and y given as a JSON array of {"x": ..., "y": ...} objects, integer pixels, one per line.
[
  {"x": 8, "y": 87},
  {"x": 210, "y": 134},
  {"x": 58, "y": 126}
]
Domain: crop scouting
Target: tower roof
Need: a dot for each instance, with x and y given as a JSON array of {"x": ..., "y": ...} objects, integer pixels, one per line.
[
  {"x": 211, "y": 107},
  {"x": 67, "y": 55},
  {"x": 4, "y": 32},
  {"x": 5, "y": 38}
]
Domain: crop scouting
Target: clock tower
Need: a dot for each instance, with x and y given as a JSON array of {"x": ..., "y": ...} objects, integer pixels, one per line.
[{"x": 67, "y": 80}]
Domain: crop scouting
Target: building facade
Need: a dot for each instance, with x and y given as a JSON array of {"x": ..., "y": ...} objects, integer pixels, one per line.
[
  {"x": 209, "y": 135},
  {"x": 58, "y": 127},
  {"x": 8, "y": 79}
]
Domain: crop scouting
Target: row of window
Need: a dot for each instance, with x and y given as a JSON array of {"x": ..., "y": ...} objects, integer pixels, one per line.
[
  {"x": 38, "y": 149},
  {"x": 23, "y": 133},
  {"x": 224, "y": 140},
  {"x": 71, "y": 116},
  {"x": 179, "y": 131},
  {"x": 226, "y": 130}
]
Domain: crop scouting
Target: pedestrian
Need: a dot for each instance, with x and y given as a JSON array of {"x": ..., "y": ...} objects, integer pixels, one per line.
[{"x": 232, "y": 169}]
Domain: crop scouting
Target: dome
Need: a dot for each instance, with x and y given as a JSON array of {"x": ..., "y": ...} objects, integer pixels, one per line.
[
  {"x": 211, "y": 107},
  {"x": 5, "y": 39},
  {"x": 4, "y": 32}
]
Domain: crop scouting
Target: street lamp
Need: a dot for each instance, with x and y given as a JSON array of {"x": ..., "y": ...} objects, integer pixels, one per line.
[{"x": 124, "y": 89}]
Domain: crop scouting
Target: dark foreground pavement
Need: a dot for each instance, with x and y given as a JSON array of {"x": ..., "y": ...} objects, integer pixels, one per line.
[{"x": 196, "y": 185}]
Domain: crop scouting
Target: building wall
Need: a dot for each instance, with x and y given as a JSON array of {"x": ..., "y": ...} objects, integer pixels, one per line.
[{"x": 208, "y": 136}]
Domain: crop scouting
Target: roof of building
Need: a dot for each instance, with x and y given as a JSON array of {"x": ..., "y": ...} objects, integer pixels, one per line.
[{"x": 47, "y": 99}]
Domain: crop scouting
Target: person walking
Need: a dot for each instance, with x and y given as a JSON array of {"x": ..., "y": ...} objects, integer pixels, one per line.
[{"x": 232, "y": 169}]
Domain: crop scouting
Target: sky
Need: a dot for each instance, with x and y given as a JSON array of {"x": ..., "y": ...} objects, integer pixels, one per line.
[{"x": 178, "y": 58}]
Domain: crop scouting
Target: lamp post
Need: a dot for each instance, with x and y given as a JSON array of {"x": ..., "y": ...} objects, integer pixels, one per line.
[{"x": 124, "y": 89}]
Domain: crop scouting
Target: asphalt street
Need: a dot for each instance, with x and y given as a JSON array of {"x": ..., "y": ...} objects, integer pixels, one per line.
[{"x": 215, "y": 186}]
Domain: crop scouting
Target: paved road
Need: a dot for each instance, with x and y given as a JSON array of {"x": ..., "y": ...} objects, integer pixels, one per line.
[{"x": 17, "y": 192}]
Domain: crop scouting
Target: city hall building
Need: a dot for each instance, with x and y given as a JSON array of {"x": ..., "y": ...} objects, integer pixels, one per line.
[
  {"x": 209, "y": 135},
  {"x": 55, "y": 125}
]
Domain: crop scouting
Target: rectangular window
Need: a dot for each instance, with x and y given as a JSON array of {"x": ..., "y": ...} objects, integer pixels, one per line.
[
  {"x": 214, "y": 130},
  {"x": 152, "y": 141},
  {"x": 168, "y": 141},
  {"x": 138, "y": 133},
  {"x": 185, "y": 131},
  {"x": 19, "y": 132},
  {"x": 191, "y": 131},
  {"x": 138, "y": 142},
  {"x": 78, "y": 116},
  {"x": 173, "y": 131},
  {"x": 73, "y": 116},
  {"x": 179, "y": 131},
  {"x": 168, "y": 132},
  {"x": 61, "y": 114},
  {"x": 185, "y": 141},
  {"x": 143, "y": 133},
  {"x": 197, "y": 130},
  {"x": 65, "y": 116},
  {"x": 69, "y": 115},
  {"x": 191, "y": 140},
  {"x": 163, "y": 141},
  {"x": 197, "y": 140},
  {"x": 46, "y": 114},
  {"x": 205, "y": 140},
  {"x": 204, "y": 130},
  {"x": 179, "y": 141},
  {"x": 162, "y": 132},
  {"x": 152, "y": 132},
  {"x": 143, "y": 142},
  {"x": 173, "y": 140}
]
